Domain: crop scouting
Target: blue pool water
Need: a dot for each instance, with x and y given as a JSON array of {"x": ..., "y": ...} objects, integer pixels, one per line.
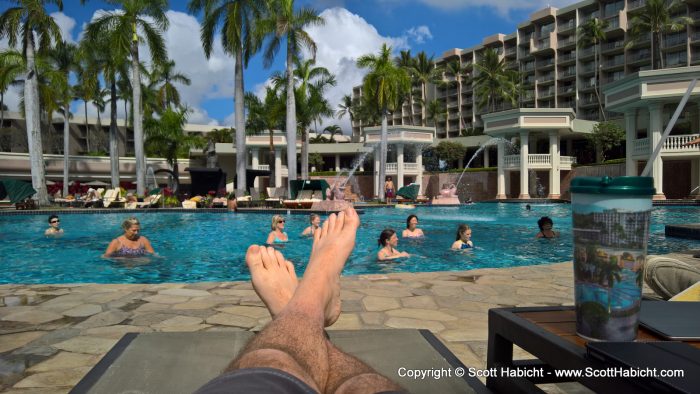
[{"x": 198, "y": 247}]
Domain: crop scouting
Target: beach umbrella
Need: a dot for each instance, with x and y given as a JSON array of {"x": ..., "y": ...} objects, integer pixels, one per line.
[
  {"x": 17, "y": 190},
  {"x": 96, "y": 183}
]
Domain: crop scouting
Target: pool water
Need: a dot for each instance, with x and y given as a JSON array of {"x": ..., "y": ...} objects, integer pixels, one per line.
[{"x": 197, "y": 247}]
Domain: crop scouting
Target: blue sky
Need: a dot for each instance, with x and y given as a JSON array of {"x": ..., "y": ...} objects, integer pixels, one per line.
[{"x": 353, "y": 28}]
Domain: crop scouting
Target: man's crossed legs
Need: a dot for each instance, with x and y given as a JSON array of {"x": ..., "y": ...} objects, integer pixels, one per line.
[{"x": 294, "y": 342}]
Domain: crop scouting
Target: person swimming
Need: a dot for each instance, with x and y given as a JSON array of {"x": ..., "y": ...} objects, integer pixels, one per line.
[
  {"x": 389, "y": 241},
  {"x": 131, "y": 244},
  {"x": 411, "y": 231},
  {"x": 315, "y": 221},
  {"x": 54, "y": 229},
  {"x": 463, "y": 238},
  {"x": 277, "y": 235},
  {"x": 546, "y": 224}
]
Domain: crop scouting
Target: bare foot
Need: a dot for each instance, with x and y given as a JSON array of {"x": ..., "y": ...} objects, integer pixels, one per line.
[
  {"x": 331, "y": 248},
  {"x": 273, "y": 277}
]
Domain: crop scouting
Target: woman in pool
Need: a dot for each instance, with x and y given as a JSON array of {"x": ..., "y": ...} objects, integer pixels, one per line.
[
  {"x": 54, "y": 229},
  {"x": 388, "y": 241},
  {"x": 277, "y": 235},
  {"x": 546, "y": 224},
  {"x": 315, "y": 221},
  {"x": 411, "y": 231},
  {"x": 131, "y": 244},
  {"x": 463, "y": 239}
]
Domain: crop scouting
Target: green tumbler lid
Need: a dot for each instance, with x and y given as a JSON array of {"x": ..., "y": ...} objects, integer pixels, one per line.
[{"x": 622, "y": 185}]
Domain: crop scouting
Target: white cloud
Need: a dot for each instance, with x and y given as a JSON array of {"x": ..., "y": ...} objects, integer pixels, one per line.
[
  {"x": 66, "y": 24},
  {"x": 345, "y": 37},
  {"x": 503, "y": 7},
  {"x": 419, "y": 34}
]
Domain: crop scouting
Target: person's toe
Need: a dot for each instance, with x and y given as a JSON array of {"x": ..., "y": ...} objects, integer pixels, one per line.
[
  {"x": 253, "y": 258},
  {"x": 268, "y": 257}
]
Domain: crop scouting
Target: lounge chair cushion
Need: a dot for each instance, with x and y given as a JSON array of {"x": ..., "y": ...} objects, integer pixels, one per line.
[{"x": 668, "y": 277}]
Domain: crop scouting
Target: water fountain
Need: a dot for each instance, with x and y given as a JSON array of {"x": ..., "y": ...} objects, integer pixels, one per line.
[
  {"x": 448, "y": 193},
  {"x": 335, "y": 196},
  {"x": 150, "y": 175}
]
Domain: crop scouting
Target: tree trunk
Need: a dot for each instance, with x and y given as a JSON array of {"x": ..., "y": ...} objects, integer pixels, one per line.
[
  {"x": 653, "y": 47},
  {"x": 2, "y": 109},
  {"x": 271, "y": 161},
  {"x": 126, "y": 115},
  {"x": 661, "y": 55},
  {"x": 601, "y": 113},
  {"x": 138, "y": 121},
  {"x": 241, "y": 151},
  {"x": 31, "y": 116},
  {"x": 304, "y": 153},
  {"x": 66, "y": 147},
  {"x": 87, "y": 129},
  {"x": 423, "y": 115},
  {"x": 382, "y": 155},
  {"x": 291, "y": 121},
  {"x": 113, "y": 136}
]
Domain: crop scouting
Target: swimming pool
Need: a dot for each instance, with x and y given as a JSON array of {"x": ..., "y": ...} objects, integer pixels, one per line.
[{"x": 198, "y": 247}]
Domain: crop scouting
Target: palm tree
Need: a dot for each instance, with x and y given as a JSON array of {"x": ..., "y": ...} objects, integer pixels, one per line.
[
  {"x": 434, "y": 111},
  {"x": 333, "y": 130},
  {"x": 87, "y": 88},
  {"x": 237, "y": 19},
  {"x": 424, "y": 72},
  {"x": 10, "y": 70},
  {"x": 28, "y": 23},
  {"x": 123, "y": 27},
  {"x": 458, "y": 71},
  {"x": 592, "y": 33},
  {"x": 494, "y": 81},
  {"x": 348, "y": 106},
  {"x": 407, "y": 62},
  {"x": 166, "y": 138},
  {"x": 266, "y": 115},
  {"x": 283, "y": 22},
  {"x": 65, "y": 61},
  {"x": 656, "y": 19},
  {"x": 165, "y": 75},
  {"x": 608, "y": 274},
  {"x": 383, "y": 84}
]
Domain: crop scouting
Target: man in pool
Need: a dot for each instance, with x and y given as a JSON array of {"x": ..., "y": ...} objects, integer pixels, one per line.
[
  {"x": 292, "y": 354},
  {"x": 54, "y": 229}
]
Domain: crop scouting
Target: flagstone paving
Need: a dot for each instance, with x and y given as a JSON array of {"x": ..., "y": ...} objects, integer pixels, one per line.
[{"x": 51, "y": 335}]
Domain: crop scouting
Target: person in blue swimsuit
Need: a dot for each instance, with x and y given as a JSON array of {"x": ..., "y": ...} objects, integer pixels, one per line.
[
  {"x": 131, "y": 244},
  {"x": 463, "y": 239},
  {"x": 277, "y": 235}
]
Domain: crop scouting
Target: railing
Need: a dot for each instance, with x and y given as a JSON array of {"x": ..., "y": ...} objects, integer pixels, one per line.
[
  {"x": 567, "y": 161},
  {"x": 675, "y": 143},
  {"x": 637, "y": 56},
  {"x": 543, "y": 44},
  {"x": 676, "y": 40},
  {"x": 410, "y": 166},
  {"x": 633, "y": 5},
  {"x": 547, "y": 78},
  {"x": 539, "y": 159},
  {"x": 529, "y": 66},
  {"x": 528, "y": 96},
  {"x": 614, "y": 62},
  {"x": 566, "y": 26},
  {"x": 641, "y": 146},
  {"x": 546, "y": 93},
  {"x": 511, "y": 161},
  {"x": 567, "y": 73},
  {"x": 613, "y": 45},
  {"x": 590, "y": 17},
  {"x": 511, "y": 51},
  {"x": 587, "y": 85},
  {"x": 525, "y": 38},
  {"x": 613, "y": 23},
  {"x": 567, "y": 41},
  {"x": 544, "y": 33},
  {"x": 566, "y": 89},
  {"x": 567, "y": 57},
  {"x": 586, "y": 51},
  {"x": 392, "y": 167}
]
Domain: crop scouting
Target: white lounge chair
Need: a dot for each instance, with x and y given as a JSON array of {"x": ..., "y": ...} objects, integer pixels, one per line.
[{"x": 112, "y": 196}]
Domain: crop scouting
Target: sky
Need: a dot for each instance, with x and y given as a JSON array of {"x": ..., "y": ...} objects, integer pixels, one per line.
[{"x": 352, "y": 28}]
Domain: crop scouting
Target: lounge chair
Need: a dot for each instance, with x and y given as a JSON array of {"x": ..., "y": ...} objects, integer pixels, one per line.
[
  {"x": 189, "y": 204},
  {"x": 305, "y": 199},
  {"x": 149, "y": 201},
  {"x": 135, "y": 363},
  {"x": 113, "y": 197},
  {"x": 277, "y": 195}
]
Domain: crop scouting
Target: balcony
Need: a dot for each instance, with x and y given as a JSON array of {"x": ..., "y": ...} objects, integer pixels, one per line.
[
  {"x": 538, "y": 161},
  {"x": 586, "y": 52},
  {"x": 673, "y": 145},
  {"x": 528, "y": 96},
  {"x": 547, "y": 93},
  {"x": 613, "y": 23},
  {"x": 545, "y": 63},
  {"x": 590, "y": 16},
  {"x": 613, "y": 46},
  {"x": 566, "y": 26},
  {"x": 566, "y": 42},
  {"x": 547, "y": 78},
  {"x": 408, "y": 168},
  {"x": 695, "y": 37},
  {"x": 611, "y": 63},
  {"x": 566, "y": 89},
  {"x": 567, "y": 57},
  {"x": 639, "y": 57},
  {"x": 525, "y": 38},
  {"x": 675, "y": 41},
  {"x": 567, "y": 73},
  {"x": 511, "y": 51},
  {"x": 636, "y": 4},
  {"x": 542, "y": 44},
  {"x": 529, "y": 66},
  {"x": 587, "y": 85}
]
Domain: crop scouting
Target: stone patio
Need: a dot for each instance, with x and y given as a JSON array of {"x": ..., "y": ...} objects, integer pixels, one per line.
[{"x": 51, "y": 335}]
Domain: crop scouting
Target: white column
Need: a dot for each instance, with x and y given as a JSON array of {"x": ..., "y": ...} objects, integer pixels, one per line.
[
  {"x": 655, "y": 130},
  {"x": 337, "y": 163},
  {"x": 501, "y": 177},
  {"x": 631, "y": 136},
  {"x": 695, "y": 178},
  {"x": 524, "y": 153},
  {"x": 419, "y": 164},
  {"x": 255, "y": 162},
  {"x": 377, "y": 182},
  {"x": 399, "y": 165},
  {"x": 486, "y": 157},
  {"x": 554, "y": 172},
  {"x": 278, "y": 167}
]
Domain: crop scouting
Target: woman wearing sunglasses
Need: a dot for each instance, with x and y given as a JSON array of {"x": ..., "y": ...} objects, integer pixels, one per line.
[
  {"x": 277, "y": 235},
  {"x": 54, "y": 229}
]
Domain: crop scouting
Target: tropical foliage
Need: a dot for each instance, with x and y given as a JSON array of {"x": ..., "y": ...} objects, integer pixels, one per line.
[
  {"x": 494, "y": 82},
  {"x": 592, "y": 34},
  {"x": 606, "y": 136}
]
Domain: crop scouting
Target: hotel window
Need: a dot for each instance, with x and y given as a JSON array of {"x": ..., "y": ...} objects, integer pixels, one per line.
[
  {"x": 613, "y": 8},
  {"x": 676, "y": 58}
]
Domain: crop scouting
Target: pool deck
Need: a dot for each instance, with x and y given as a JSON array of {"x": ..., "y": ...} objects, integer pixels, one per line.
[{"x": 52, "y": 335}]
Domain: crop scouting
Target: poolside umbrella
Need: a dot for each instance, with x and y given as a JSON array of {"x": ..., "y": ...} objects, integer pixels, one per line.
[
  {"x": 97, "y": 183},
  {"x": 17, "y": 190}
]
